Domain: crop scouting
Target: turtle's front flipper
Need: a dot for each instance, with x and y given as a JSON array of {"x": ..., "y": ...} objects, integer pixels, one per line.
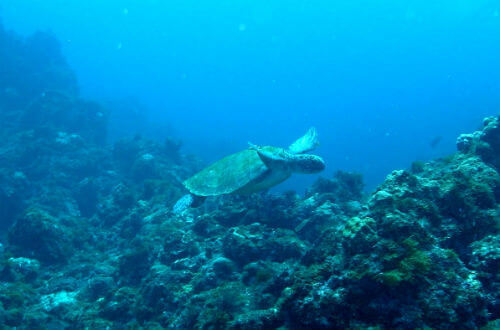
[
  {"x": 306, "y": 143},
  {"x": 252, "y": 146},
  {"x": 274, "y": 158},
  {"x": 187, "y": 201}
]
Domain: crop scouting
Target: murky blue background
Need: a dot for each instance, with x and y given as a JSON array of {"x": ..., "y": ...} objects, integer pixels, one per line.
[{"x": 381, "y": 80}]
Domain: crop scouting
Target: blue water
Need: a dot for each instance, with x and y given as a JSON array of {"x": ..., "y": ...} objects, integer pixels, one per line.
[{"x": 380, "y": 80}]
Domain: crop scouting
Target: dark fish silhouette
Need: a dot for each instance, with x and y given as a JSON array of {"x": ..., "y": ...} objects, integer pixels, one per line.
[{"x": 434, "y": 142}]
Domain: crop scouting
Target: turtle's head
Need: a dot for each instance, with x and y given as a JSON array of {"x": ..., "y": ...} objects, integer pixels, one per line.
[
  {"x": 307, "y": 164},
  {"x": 278, "y": 158}
]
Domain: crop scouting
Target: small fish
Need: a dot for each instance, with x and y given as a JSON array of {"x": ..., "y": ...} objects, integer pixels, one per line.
[{"x": 434, "y": 142}]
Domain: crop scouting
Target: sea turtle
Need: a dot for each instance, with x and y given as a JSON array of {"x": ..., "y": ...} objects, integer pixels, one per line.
[{"x": 254, "y": 169}]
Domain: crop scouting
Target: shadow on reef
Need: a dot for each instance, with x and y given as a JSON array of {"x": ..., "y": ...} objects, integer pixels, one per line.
[{"x": 89, "y": 240}]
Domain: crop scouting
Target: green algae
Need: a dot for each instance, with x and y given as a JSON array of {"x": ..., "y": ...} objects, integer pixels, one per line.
[
  {"x": 417, "y": 167},
  {"x": 411, "y": 264},
  {"x": 355, "y": 225}
]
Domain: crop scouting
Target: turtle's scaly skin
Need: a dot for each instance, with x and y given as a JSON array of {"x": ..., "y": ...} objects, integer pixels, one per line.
[{"x": 240, "y": 172}]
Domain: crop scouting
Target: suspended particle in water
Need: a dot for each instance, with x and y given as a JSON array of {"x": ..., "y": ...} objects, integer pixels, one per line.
[
  {"x": 496, "y": 13},
  {"x": 119, "y": 46},
  {"x": 125, "y": 11},
  {"x": 242, "y": 27}
]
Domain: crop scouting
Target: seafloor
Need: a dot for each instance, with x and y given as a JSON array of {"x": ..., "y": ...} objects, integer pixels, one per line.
[{"x": 89, "y": 239}]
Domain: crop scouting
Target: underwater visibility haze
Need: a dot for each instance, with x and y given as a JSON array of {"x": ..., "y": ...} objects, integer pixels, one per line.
[
  {"x": 368, "y": 197},
  {"x": 379, "y": 79}
]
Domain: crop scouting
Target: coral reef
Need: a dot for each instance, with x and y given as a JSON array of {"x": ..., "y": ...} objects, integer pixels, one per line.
[{"x": 89, "y": 239}]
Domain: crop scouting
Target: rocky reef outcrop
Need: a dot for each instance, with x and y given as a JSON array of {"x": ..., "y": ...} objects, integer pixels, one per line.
[{"x": 89, "y": 239}]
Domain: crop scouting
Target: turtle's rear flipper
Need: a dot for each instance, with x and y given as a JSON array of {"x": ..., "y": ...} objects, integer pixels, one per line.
[
  {"x": 187, "y": 201},
  {"x": 306, "y": 143}
]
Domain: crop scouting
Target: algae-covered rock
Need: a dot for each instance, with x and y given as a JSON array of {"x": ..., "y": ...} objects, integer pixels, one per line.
[
  {"x": 15, "y": 299},
  {"x": 134, "y": 264},
  {"x": 401, "y": 262},
  {"x": 486, "y": 255},
  {"x": 222, "y": 305},
  {"x": 345, "y": 186},
  {"x": 55, "y": 302},
  {"x": 119, "y": 306},
  {"x": 465, "y": 142},
  {"x": 99, "y": 287},
  {"x": 12, "y": 197},
  {"x": 249, "y": 243},
  {"x": 486, "y": 261},
  {"x": 257, "y": 319},
  {"x": 87, "y": 197},
  {"x": 38, "y": 234},
  {"x": 222, "y": 267},
  {"x": 485, "y": 143},
  {"x": 21, "y": 269}
]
